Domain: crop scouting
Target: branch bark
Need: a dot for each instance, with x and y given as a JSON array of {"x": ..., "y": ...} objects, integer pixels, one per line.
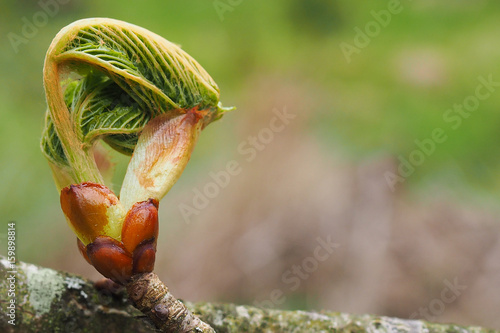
[
  {"x": 150, "y": 295},
  {"x": 51, "y": 301}
]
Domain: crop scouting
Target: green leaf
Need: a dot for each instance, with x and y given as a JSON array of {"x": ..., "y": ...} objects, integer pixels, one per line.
[
  {"x": 157, "y": 74},
  {"x": 51, "y": 145},
  {"x": 117, "y": 77}
]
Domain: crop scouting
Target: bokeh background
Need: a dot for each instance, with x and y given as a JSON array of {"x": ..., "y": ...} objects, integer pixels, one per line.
[{"x": 397, "y": 249}]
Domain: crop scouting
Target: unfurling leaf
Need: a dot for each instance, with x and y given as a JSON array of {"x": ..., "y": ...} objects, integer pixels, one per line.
[{"x": 112, "y": 78}]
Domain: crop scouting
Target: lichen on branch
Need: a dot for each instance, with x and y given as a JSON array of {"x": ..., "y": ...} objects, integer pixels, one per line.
[{"x": 54, "y": 301}]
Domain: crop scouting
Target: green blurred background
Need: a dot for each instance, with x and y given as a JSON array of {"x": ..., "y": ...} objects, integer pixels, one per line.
[{"x": 317, "y": 177}]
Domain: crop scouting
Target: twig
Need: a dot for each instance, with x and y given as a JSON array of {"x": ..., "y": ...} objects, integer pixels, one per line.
[{"x": 150, "y": 295}]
